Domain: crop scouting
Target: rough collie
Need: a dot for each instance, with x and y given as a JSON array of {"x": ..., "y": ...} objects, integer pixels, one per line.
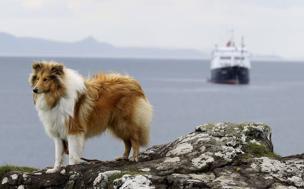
[{"x": 73, "y": 109}]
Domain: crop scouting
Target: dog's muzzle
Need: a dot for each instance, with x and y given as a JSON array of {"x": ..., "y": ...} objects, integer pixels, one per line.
[{"x": 35, "y": 90}]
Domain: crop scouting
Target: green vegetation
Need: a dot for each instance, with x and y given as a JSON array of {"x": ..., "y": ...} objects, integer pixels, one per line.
[
  {"x": 8, "y": 168},
  {"x": 119, "y": 175},
  {"x": 115, "y": 176},
  {"x": 259, "y": 150}
]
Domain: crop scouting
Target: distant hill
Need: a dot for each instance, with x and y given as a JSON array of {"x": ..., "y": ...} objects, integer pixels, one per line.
[{"x": 11, "y": 45}]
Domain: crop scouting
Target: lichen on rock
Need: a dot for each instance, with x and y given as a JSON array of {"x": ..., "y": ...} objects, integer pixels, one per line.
[
  {"x": 220, "y": 155},
  {"x": 130, "y": 182}
]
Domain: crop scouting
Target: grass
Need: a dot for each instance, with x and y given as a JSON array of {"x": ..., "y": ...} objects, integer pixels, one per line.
[
  {"x": 260, "y": 150},
  {"x": 8, "y": 168}
]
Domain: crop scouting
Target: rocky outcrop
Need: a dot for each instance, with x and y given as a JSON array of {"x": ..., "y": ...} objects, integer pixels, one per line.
[{"x": 222, "y": 155}]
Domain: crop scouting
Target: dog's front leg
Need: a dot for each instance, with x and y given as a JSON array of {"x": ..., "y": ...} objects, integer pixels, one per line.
[
  {"x": 59, "y": 150},
  {"x": 76, "y": 144}
]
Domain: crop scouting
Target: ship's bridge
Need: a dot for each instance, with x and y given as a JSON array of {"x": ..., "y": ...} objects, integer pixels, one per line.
[{"x": 230, "y": 56}]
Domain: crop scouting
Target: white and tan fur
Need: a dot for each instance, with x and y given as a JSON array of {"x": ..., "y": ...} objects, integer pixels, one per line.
[{"x": 73, "y": 109}]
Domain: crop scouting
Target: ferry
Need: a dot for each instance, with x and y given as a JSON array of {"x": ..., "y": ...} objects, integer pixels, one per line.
[{"x": 230, "y": 64}]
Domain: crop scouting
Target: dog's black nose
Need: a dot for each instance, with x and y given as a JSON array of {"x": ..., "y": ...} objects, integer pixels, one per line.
[{"x": 35, "y": 90}]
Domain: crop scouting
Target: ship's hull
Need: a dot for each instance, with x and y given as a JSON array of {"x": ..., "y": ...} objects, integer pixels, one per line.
[{"x": 230, "y": 75}]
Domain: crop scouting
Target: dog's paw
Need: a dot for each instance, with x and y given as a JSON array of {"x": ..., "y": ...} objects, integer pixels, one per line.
[
  {"x": 53, "y": 170},
  {"x": 134, "y": 159}
]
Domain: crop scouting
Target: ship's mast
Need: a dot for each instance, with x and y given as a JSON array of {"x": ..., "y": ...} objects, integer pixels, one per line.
[
  {"x": 232, "y": 38},
  {"x": 242, "y": 42}
]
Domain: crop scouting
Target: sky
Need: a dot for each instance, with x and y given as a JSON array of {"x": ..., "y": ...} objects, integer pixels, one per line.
[{"x": 273, "y": 27}]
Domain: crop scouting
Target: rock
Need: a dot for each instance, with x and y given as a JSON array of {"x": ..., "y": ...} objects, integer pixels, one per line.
[
  {"x": 129, "y": 182},
  {"x": 4, "y": 180},
  {"x": 221, "y": 155}
]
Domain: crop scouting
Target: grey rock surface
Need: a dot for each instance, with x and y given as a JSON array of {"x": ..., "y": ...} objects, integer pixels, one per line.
[{"x": 221, "y": 155}]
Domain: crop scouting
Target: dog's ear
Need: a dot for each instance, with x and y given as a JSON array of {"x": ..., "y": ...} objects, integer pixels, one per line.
[
  {"x": 57, "y": 69},
  {"x": 37, "y": 66}
]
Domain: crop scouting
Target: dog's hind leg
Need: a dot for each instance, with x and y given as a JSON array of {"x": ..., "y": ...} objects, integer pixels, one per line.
[
  {"x": 135, "y": 147},
  {"x": 125, "y": 155},
  {"x": 76, "y": 145},
  {"x": 127, "y": 149}
]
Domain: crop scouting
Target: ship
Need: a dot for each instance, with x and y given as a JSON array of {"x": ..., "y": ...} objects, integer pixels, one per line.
[{"x": 230, "y": 64}]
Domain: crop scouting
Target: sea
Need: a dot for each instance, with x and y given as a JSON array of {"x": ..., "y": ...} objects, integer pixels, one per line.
[{"x": 181, "y": 96}]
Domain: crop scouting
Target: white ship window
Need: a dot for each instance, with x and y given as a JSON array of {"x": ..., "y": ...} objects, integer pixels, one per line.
[
  {"x": 225, "y": 58},
  {"x": 239, "y": 58}
]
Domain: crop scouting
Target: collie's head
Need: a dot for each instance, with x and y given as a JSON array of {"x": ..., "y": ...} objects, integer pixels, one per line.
[{"x": 47, "y": 77}]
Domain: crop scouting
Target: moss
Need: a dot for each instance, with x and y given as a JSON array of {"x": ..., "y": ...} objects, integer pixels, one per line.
[
  {"x": 259, "y": 150},
  {"x": 8, "y": 168},
  {"x": 208, "y": 126},
  {"x": 115, "y": 176},
  {"x": 119, "y": 175}
]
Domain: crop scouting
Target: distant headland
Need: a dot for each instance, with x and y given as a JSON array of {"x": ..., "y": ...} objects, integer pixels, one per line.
[{"x": 11, "y": 45}]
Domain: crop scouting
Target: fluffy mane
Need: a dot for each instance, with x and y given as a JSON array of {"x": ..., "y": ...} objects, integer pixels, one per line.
[{"x": 75, "y": 85}]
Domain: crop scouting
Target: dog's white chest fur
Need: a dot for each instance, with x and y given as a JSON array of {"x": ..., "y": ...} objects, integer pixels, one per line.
[{"x": 55, "y": 119}]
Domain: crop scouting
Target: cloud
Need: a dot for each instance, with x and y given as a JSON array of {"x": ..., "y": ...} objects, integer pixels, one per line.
[
  {"x": 34, "y": 4},
  {"x": 268, "y": 26}
]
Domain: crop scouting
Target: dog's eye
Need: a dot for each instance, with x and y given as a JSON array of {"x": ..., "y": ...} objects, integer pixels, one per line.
[{"x": 45, "y": 79}]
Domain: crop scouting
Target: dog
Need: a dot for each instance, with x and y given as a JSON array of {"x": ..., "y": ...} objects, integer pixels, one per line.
[{"x": 73, "y": 109}]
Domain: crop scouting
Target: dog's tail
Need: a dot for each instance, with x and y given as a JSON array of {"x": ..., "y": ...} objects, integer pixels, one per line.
[{"x": 143, "y": 117}]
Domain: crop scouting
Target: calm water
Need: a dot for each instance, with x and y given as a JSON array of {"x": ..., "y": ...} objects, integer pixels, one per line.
[{"x": 181, "y": 98}]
